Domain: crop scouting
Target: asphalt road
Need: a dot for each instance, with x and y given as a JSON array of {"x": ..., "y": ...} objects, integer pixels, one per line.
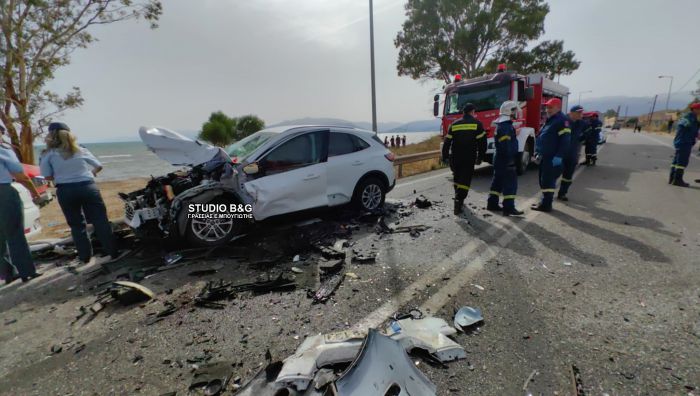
[{"x": 608, "y": 283}]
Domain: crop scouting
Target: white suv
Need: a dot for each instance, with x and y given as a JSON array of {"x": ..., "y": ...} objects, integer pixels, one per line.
[{"x": 273, "y": 172}]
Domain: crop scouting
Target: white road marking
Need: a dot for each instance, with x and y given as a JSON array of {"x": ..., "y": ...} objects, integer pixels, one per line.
[
  {"x": 471, "y": 258},
  {"x": 667, "y": 144}
]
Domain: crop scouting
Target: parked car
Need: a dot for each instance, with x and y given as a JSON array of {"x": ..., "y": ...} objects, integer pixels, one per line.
[
  {"x": 32, "y": 225},
  {"x": 274, "y": 172},
  {"x": 616, "y": 126}
]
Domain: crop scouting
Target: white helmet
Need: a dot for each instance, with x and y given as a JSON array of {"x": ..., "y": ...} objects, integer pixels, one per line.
[{"x": 509, "y": 109}]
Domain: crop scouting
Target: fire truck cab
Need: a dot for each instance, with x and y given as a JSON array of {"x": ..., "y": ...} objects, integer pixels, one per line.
[{"x": 488, "y": 92}]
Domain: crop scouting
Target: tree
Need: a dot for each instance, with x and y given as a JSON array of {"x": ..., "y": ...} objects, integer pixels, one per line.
[
  {"x": 248, "y": 125},
  {"x": 444, "y": 37},
  {"x": 610, "y": 113},
  {"x": 547, "y": 57},
  {"x": 38, "y": 37},
  {"x": 632, "y": 121},
  {"x": 220, "y": 130}
]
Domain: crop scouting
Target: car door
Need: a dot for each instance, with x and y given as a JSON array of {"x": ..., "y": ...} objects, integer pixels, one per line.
[
  {"x": 347, "y": 163},
  {"x": 292, "y": 176}
]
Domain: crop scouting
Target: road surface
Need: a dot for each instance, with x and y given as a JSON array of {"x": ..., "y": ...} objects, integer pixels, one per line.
[{"x": 608, "y": 283}]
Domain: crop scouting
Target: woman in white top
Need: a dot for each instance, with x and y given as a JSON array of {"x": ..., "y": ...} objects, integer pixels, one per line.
[{"x": 73, "y": 169}]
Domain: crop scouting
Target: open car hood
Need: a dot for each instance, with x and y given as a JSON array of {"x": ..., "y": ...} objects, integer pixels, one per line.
[{"x": 176, "y": 148}]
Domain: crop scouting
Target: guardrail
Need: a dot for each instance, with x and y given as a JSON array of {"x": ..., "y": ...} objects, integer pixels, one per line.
[{"x": 402, "y": 160}]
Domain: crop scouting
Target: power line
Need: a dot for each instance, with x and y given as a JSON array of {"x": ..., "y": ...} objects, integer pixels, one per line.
[{"x": 689, "y": 80}]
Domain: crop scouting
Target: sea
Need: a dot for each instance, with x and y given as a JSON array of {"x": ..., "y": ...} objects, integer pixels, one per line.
[{"x": 127, "y": 160}]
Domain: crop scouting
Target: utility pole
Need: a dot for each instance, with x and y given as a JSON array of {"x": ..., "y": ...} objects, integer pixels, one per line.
[
  {"x": 653, "y": 106},
  {"x": 670, "y": 85},
  {"x": 371, "y": 46}
]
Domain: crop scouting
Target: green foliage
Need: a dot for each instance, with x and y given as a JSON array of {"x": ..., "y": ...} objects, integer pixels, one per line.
[
  {"x": 248, "y": 125},
  {"x": 444, "y": 37},
  {"x": 632, "y": 121},
  {"x": 610, "y": 113},
  {"x": 220, "y": 130},
  {"x": 38, "y": 37}
]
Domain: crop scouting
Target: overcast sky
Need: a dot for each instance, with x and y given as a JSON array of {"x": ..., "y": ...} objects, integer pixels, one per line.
[{"x": 286, "y": 59}]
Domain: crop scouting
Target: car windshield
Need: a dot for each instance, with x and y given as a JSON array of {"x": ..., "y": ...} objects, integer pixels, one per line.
[
  {"x": 244, "y": 147},
  {"x": 485, "y": 97}
]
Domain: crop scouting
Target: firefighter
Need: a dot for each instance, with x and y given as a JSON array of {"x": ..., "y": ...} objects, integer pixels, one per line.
[
  {"x": 505, "y": 178},
  {"x": 579, "y": 130},
  {"x": 552, "y": 145},
  {"x": 592, "y": 139},
  {"x": 686, "y": 136},
  {"x": 467, "y": 139}
]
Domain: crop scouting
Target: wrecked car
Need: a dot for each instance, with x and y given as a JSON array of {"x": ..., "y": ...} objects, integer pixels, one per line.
[{"x": 273, "y": 172}]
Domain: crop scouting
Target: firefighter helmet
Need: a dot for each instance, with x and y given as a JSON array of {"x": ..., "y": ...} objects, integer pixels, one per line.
[{"x": 509, "y": 110}]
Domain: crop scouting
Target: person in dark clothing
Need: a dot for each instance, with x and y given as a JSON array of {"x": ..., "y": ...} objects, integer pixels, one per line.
[
  {"x": 13, "y": 243},
  {"x": 592, "y": 138},
  {"x": 686, "y": 136},
  {"x": 505, "y": 177},
  {"x": 386, "y": 141},
  {"x": 551, "y": 147},
  {"x": 403, "y": 141},
  {"x": 393, "y": 142},
  {"x": 73, "y": 169},
  {"x": 464, "y": 147},
  {"x": 579, "y": 129}
]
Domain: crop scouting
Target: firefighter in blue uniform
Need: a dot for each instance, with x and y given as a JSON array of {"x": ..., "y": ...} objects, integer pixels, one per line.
[
  {"x": 579, "y": 131},
  {"x": 592, "y": 138},
  {"x": 505, "y": 178},
  {"x": 686, "y": 136},
  {"x": 552, "y": 145},
  {"x": 467, "y": 139}
]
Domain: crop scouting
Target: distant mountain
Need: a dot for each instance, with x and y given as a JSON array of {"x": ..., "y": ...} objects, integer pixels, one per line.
[
  {"x": 635, "y": 105},
  {"x": 419, "y": 126}
]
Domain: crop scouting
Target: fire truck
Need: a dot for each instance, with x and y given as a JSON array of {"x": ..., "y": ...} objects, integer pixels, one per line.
[{"x": 488, "y": 92}]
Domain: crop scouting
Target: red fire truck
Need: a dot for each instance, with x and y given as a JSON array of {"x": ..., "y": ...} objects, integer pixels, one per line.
[{"x": 488, "y": 92}]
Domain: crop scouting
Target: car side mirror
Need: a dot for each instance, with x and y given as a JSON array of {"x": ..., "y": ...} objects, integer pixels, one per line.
[
  {"x": 529, "y": 93},
  {"x": 436, "y": 108},
  {"x": 251, "y": 169}
]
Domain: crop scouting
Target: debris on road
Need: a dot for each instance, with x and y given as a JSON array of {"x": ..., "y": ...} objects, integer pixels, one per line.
[
  {"x": 297, "y": 270},
  {"x": 128, "y": 293},
  {"x": 329, "y": 283},
  {"x": 212, "y": 378},
  {"x": 422, "y": 202},
  {"x": 466, "y": 317},
  {"x": 382, "y": 364}
]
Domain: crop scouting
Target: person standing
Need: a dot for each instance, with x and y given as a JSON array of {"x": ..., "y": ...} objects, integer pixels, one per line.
[
  {"x": 552, "y": 145},
  {"x": 686, "y": 136},
  {"x": 466, "y": 139},
  {"x": 393, "y": 141},
  {"x": 12, "y": 218},
  {"x": 73, "y": 169},
  {"x": 386, "y": 141},
  {"x": 403, "y": 141},
  {"x": 592, "y": 138},
  {"x": 505, "y": 177},
  {"x": 579, "y": 129}
]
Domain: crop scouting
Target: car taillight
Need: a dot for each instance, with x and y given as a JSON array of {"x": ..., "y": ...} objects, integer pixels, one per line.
[{"x": 390, "y": 156}]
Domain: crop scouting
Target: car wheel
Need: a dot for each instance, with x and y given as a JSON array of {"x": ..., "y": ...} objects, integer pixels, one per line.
[
  {"x": 370, "y": 194},
  {"x": 524, "y": 160},
  {"x": 213, "y": 232}
]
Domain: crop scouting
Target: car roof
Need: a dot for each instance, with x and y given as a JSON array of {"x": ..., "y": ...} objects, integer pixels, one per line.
[{"x": 296, "y": 128}]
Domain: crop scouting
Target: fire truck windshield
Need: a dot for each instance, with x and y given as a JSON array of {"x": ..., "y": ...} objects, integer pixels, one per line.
[{"x": 485, "y": 97}]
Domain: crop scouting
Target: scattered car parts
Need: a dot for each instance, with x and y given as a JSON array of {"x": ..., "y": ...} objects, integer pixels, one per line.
[{"x": 467, "y": 316}]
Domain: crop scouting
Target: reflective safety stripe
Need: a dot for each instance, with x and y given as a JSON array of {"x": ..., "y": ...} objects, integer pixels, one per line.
[
  {"x": 508, "y": 197},
  {"x": 462, "y": 186},
  {"x": 565, "y": 130},
  {"x": 503, "y": 138},
  {"x": 677, "y": 166},
  {"x": 496, "y": 193},
  {"x": 481, "y": 135},
  {"x": 464, "y": 127},
  {"x": 566, "y": 180},
  {"x": 546, "y": 190},
  {"x": 448, "y": 136}
]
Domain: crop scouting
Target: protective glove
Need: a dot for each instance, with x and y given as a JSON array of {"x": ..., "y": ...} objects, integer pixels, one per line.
[{"x": 556, "y": 161}]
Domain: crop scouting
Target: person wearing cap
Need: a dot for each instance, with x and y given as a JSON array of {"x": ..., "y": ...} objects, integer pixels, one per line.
[
  {"x": 12, "y": 218},
  {"x": 466, "y": 139},
  {"x": 686, "y": 136},
  {"x": 579, "y": 129},
  {"x": 73, "y": 169},
  {"x": 592, "y": 138},
  {"x": 505, "y": 176},
  {"x": 551, "y": 147}
]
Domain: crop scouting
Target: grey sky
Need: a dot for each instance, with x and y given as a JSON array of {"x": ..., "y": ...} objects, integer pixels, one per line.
[{"x": 285, "y": 59}]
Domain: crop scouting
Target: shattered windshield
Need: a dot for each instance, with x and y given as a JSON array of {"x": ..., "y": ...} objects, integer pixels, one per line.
[
  {"x": 244, "y": 147},
  {"x": 485, "y": 97}
]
